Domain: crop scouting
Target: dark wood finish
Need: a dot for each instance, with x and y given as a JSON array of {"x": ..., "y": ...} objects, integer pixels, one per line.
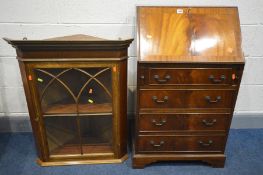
[
  {"x": 189, "y": 76},
  {"x": 71, "y": 43},
  {"x": 189, "y": 34},
  {"x": 121, "y": 99},
  {"x": 63, "y": 120},
  {"x": 185, "y": 74},
  {"x": 36, "y": 127},
  {"x": 189, "y": 72},
  {"x": 215, "y": 160},
  {"x": 186, "y": 98},
  {"x": 183, "y": 122},
  {"x": 71, "y": 149},
  {"x": 180, "y": 144},
  {"x": 83, "y": 108}
]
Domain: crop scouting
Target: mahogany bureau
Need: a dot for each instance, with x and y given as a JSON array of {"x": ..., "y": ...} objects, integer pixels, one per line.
[{"x": 189, "y": 71}]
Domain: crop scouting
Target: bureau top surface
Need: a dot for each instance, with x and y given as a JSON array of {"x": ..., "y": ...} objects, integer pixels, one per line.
[{"x": 189, "y": 34}]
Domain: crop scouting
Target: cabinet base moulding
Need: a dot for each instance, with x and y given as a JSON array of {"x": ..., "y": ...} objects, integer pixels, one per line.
[
  {"x": 82, "y": 162},
  {"x": 141, "y": 160}
]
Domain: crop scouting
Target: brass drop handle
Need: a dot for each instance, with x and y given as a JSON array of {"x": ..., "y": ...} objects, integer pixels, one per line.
[
  {"x": 156, "y": 145},
  {"x": 166, "y": 78},
  {"x": 220, "y": 80},
  {"x": 156, "y": 100},
  {"x": 208, "y": 99},
  {"x": 209, "y": 143},
  {"x": 209, "y": 123},
  {"x": 161, "y": 123}
]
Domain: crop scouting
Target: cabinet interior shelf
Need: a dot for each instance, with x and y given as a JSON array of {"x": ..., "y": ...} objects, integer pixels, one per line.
[
  {"x": 75, "y": 149},
  {"x": 83, "y": 110}
]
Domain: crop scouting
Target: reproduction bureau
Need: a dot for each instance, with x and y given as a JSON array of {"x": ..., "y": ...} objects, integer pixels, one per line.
[
  {"x": 189, "y": 71},
  {"x": 76, "y": 91}
]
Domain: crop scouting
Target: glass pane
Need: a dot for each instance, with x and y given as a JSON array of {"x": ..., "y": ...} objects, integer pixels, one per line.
[
  {"x": 96, "y": 134},
  {"x": 56, "y": 95},
  {"x": 75, "y": 79},
  {"x": 95, "y": 96},
  {"x": 77, "y": 109},
  {"x": 61, "y": 89},
  {"x": 62, "y": 135}
]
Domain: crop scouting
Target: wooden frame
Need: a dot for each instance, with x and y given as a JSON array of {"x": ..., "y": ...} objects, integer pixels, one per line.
[
  {"x": 76, "y": 52},
  {"x": 166, "y": 43}
]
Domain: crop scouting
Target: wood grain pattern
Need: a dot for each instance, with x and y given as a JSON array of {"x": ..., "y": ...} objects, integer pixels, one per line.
[
  {"x": 183, "y": 122},
  {"x": 78, "y": 51},
  {"x": 77, "y": 37},
  {"x": 215, "y": 160},
  {"x": 74, "y": 150},
  {"x": 181, "y": 144},
  {"x": 176, "y": 76},
  {"x": 186, "y": 98},
  {"x": 189, "y": 72},
  {"x": 184, "y": 75},
  {"x": 189, "y": 34},
  {"x": 85, "y": 161},
  {"x": 83, "y": 108},
  {"x": 69, "y": 43}
]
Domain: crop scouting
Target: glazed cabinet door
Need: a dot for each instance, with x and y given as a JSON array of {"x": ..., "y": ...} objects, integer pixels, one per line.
[{"x": 76, "y": 108}]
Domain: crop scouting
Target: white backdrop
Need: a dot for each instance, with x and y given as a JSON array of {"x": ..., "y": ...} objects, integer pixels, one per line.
[{"x": 38, "y": 19}]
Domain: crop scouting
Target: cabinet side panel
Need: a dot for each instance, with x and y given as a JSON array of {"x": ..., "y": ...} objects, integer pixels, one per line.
[
  {"x": 32, "y": 113},
  {"x": 239, "y": 71},
  {"x": 123, "y": 108}
]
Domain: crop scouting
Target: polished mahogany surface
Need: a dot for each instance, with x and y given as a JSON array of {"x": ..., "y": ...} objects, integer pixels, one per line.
[
  {"x": 187, "y": 98},
  {"x": 189, "y": 71},
  {"x": 189, "y": 34},
  {"x": 181, "y": 144},
  {"x": 161, "y": 123},
  {"x": 76, "y": 91}
]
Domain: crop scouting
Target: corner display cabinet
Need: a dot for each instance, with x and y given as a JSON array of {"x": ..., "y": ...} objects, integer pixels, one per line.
[
  {"x": 189, "y": 71},
  {"x": 76, "y": 91}
]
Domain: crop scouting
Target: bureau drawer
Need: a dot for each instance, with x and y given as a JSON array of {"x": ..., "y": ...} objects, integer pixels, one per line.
[
  {"x": 183, "y": 122},
  {"x": 181, "y": 143},
  {"x": 191, "y": 76},
  {"x": 187, "y": 98}
]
